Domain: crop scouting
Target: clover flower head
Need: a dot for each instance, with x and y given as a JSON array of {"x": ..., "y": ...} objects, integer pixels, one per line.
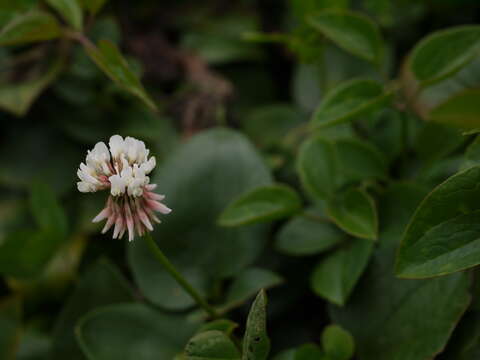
[{"x": 123, "y": 168}]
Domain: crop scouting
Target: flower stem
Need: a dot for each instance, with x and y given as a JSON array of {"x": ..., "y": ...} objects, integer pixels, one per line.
[{"x": 160, "y": 256}]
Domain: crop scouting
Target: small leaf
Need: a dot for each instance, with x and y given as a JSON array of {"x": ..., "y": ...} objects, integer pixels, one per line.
[
  {"x": 248, "y": 283},
  {"x": 443, "y": 234},
  {"x": 337, "y": 343},
  {"x": 94, "y": 6},
  {"x": 18, "y": 98},
  {"x": 353, "y": 32},
  {"x": 335, "y": 276},
  {"x": 317, "y": 166},
  {"x": 431, "y": 60},
  {"x": 348, "y": 101},
  {"x": 211, "y": 345},
  {"x": 256, "y": 344},
  {"x": 33, "y": 26},
  {"x": 110, "y": 60},
  {"x": 305, "y": 236},
  {"x": 354, "y": 212},
  {"x": 225, "y": 325},
  {"x": 360, "y": 161},
  {"x": 460, "y": 110},
  {"x": 262, "y": 204},
  {"x": 70, "y": 10}
]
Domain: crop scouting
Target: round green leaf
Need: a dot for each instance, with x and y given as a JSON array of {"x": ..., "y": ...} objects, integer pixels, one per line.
[
  {"x": 348, "y": 101},
  {"x": 442, "y": 236},
  {"x": 337, "y": 343},
  {"x": 335, "y": 276},
  {"x": 353, "y": 32},
  {"x": 211, "y": 345},
  {"x": 354, "y": 212},
  {"x": 132, "y": 332},
  {"x": 262, "y": 204},
  {"x": 432, "y": 60},
  {"x": 317, "y": 166}
]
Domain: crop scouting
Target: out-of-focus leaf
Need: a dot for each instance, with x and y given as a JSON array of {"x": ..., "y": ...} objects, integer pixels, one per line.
[
  {"x": 335, "y": 276},
  {"x": 433, "y": 60},
  {"x": 472, "y": 154},
  {"x": 359, "y": 160},
  {"x": 382, "y": 304},
  {"x": 10, "y": 327},
  {"x": 18, "y": 98},
  {"x": 262, "y": 204},
  {"x": 354, "y": 212},
  {"x": 248, "y": 283},
  {"x": 144, "y": 333},
  {"x": 349, "y": 100},
  {"x": 34, "y": 345},
  {"x": 70, "y": 10},
  {"x": 256, "y": 344},
  {"x": 337, "y": 343},
  {"x": 460, "y": 110},
  {"x": 47, "y": 210},
  {"x": 33, "y": 26},
  {"x": 224, "y": 325},
  {"x": 309, "y": 352},
  {"x": 199, "y": 180},
  {"x": 94, "y": 6},
  {"x": 110, "y": 60},
  {"x": 443, "y": 235},
  {"x": 303, "y": 235},
  {"x": 211, "y": 345},
  {"x": 351, "y": 31},
  {"x": 317, "y": 165},
  {"x": 102, "y": 284}
]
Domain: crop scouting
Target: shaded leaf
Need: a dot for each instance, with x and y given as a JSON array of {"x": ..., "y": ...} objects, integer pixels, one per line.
[
  {"x": 225, "y": 325},
  {"x": 354, "y": 212},
  {"x": 211, "y": 344},
  {"x": 94, "y": 6},
  {"x": 256, "y": 344},
  {"x": 335, "y": 276},
  {"x": 70, "y": 10},
  {"x": 10, "y": 327},
  {"x": 460, "y": 110},
  {"x": 337, "y": 343},
  {"x": 262, "y": 204}
]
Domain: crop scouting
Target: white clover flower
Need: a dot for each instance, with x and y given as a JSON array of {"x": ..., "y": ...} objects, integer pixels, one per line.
[{"x": 123, "y": 168}]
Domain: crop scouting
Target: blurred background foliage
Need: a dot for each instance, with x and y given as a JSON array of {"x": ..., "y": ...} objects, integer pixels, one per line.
[{"x": 229, "y": 91}]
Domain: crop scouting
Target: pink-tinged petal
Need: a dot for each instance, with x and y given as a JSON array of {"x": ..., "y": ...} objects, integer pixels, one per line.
[
  {"x": 152, "y": 215},
  {"x": 105, "y": 213},
  {"x": 155, "y": 205},
  {"x": 109, "y": 223},
  {"x": 129, "y": 220},
  {"x": 151, "y": 187},
  {"x": 119, "y": 226},
  {"x": 144, "y": 219},
  {"x": 154, "y": 196}
]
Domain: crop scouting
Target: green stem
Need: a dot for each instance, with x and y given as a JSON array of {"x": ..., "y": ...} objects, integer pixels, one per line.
[{"x": 160, "y": 256}]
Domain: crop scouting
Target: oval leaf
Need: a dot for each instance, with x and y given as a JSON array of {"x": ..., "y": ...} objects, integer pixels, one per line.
[
  {"x": 211, "y": 345},
  {"x": 460, "y": 110},
  {"x": 353, "y": 32},
  {"x": 442, "y": 235},
  {"x": 432, "y": 61},
  {"x": 354, "y": 212},
  {"x": 263, "y": 204},
  {"x": 336, "y": 275},
  {"x": 337, "y": 343},
  {"x": 348, "y": 101}
]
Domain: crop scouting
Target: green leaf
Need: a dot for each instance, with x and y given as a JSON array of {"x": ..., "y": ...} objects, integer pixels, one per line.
[
  {"x": 248, "y": 283},
  {"x": 111, "y": 61},
  {"x": 336, "y": 275},
  {"x": 18, "y": 98},
  {"x": 306, "y": 236},
  {"x": 10, "y": 327},
  {"x": 354, "y": 212},
  {"x": 348, "y": 101},
  {"x": 431, "y": 60},
  {"x": 101, "y": 284},
  {"x": 460, "y": 110},
  {"x": 211, "y": 345},
  {"x": 317, "y": 167},
  {"x": 132, "y": 331},
  {"x": 224, "y": 325},
  {"x": 70, "y": 10},
  {"x": 200, "y": 179},
  {"x": 353, "y": 32},
  {"x": 309, "y": 352},
  {"x": 442, "y": 235},
  {"x": 472, "y": 154},
  {"x": 256, "y": 344},
  {"x": 381, "y": 305},
  {"x": 360, "y": 161},
  {"x": 46, "y": 209},
  {"x": 94, "y": 6},
  {"x": 337, "y": 343},
  {"x": 33, "y": 26},
  {"x": 262, "y": 204}
]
